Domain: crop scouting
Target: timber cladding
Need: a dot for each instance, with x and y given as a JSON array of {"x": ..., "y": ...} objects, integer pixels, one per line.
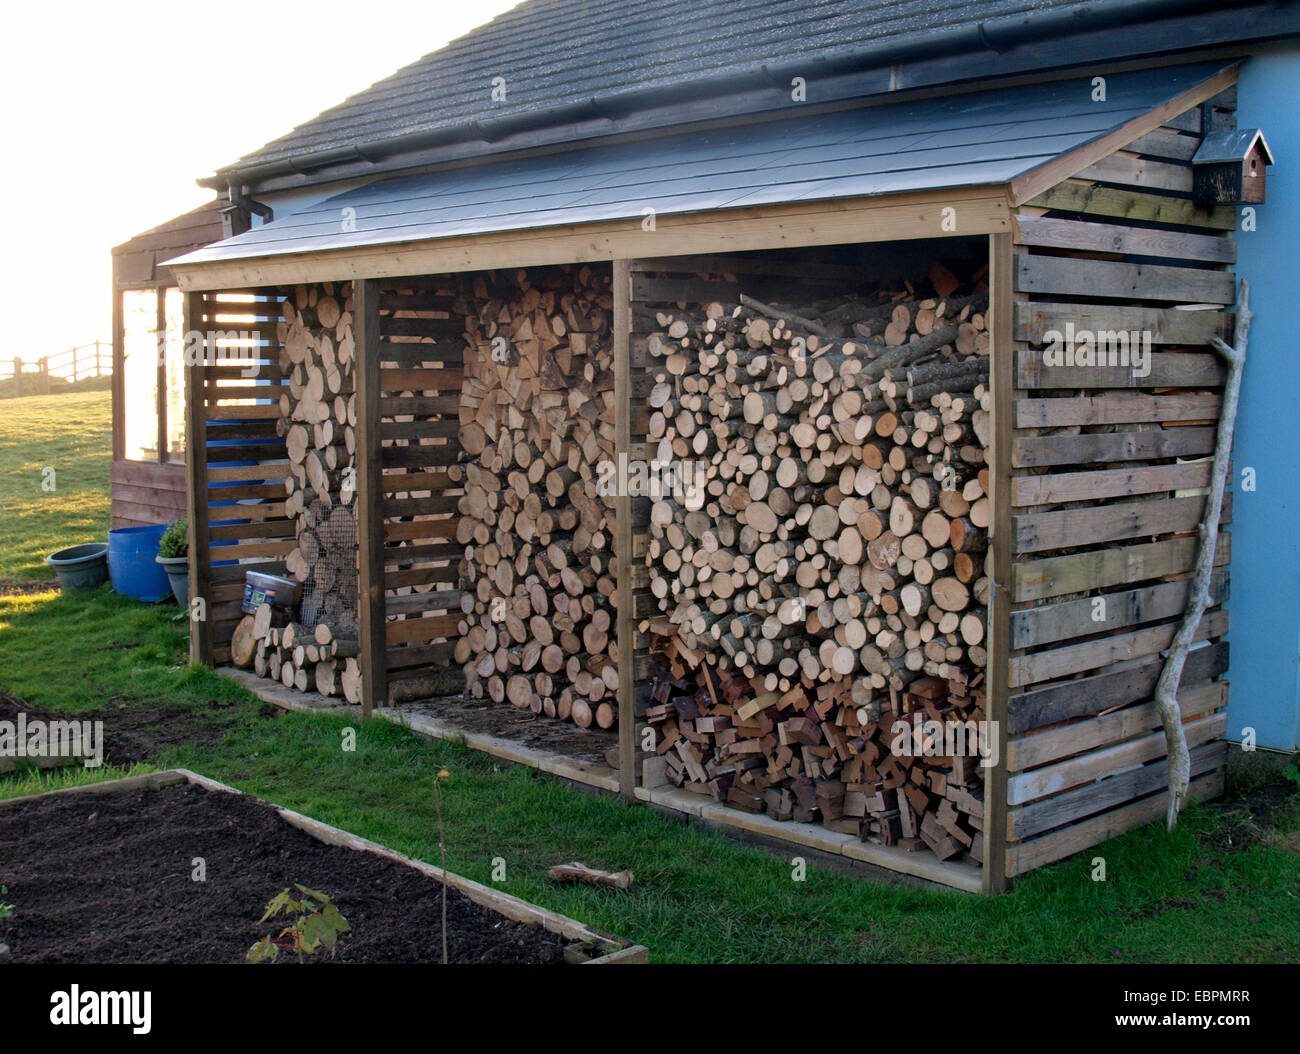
[
  {"x": 1119, "y": 283},
  {"x": 150, "y": 492},
  {"x": 146, "y": 492},
  {"x": 416, "y": 390},
  {"x": 238, "y": 461}
]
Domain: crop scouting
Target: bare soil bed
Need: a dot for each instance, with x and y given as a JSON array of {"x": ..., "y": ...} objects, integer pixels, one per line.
[
  {"x": 108, "y": 878},
  {"x": 138, "y": 731}
]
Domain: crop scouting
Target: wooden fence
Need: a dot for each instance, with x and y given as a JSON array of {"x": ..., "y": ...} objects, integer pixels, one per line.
[{"x": 33, "y": 376}]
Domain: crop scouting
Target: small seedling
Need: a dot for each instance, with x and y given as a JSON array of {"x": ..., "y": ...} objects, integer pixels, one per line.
[
  {"x": 1291, "y": 772},
  {"x": 5, "y": 909},
  {"x": 443, "y": 774},
  {"x": 316, "y": 923}
]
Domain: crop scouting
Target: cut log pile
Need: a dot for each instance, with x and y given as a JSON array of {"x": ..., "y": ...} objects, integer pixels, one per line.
[
  {"x": 318, "y": 419},
  {"x": 308, "y": 659},
  {"x": 903, "y": 772},
  {"x": 537, "y": 420},
  {"x": 830, "y": 549},
  {"x": 317, "y": 651}
]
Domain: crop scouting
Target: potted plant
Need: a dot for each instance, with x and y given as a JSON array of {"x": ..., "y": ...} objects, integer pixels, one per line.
[{"x": 174, "y": 555}]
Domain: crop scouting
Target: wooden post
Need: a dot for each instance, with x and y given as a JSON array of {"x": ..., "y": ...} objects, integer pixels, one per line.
[
  {"x": 1002, "y": 381},
  {"x": 117, "y": 367},
  {"x": 18, "y": 375},
  {"x": 622, "y": 289},
  {"x": 196, "y": 486},
  {"x": 160, "y": 403},
  {"x": 74, "y": 364},
  {"x": 369, "y": 503}
]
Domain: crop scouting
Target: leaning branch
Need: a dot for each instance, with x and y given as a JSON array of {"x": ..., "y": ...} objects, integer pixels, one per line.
[{"x": 1198, "y": 600}]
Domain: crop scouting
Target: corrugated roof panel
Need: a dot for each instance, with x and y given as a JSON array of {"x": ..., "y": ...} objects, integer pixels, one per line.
[{"x": 986, "y": 138}]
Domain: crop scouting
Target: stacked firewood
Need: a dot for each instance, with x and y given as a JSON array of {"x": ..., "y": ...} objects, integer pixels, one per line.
[
  {"x": 835, "y": 522},
  {"x": 537, "y": 420},
  {"x": 308, "y": 659},
  {"x": 318, "y": 421},
  {"x": 313, "y": 647},
  {"x": 901, "y": 771},
  {"x": 821, "y": 569}
]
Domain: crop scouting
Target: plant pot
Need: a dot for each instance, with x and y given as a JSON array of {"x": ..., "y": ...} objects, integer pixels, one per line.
[
  {"x": 131, "y": 555},
  {"x": 178, "y": 574},
  {"x": 80, "y": 566}
]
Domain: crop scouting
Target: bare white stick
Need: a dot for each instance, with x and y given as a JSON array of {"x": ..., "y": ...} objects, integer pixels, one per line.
[{"x": 1198, "y": 600}]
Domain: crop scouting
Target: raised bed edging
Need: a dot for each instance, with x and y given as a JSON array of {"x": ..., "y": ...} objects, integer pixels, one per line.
[{"x": 616, "y": 949}]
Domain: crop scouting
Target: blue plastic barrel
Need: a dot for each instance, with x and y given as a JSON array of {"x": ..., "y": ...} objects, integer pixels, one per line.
[{"x": 131, "y": 563}]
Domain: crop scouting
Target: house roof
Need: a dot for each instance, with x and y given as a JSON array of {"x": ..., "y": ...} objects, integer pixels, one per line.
[
  {"x": 139, "y": 261},
  {"x": 583, "y": 65},
  {"x": 953, "y": 141}
]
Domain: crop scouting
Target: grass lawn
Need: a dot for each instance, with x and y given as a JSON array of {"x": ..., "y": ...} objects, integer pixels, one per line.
[
  {"x": 55, "y": 452},
  {"x": 1224, "y": 887}
]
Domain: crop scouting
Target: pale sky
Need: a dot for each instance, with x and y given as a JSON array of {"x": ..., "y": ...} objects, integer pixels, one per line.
[{"x": 112, "y": 110}]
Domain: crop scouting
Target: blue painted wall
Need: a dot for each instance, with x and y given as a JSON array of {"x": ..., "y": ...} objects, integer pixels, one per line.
[{"x": 1265, "y": 602}]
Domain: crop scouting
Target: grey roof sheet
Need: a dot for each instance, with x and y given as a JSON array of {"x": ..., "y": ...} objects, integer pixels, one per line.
[
  {"x": 952, "y": 141},
  {"x": 1231, "y": 145},
  {"x": 554, "y": 53}
]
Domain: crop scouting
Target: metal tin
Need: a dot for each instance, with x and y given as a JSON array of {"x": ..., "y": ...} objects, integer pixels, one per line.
[{"x": 262, "y": 588}]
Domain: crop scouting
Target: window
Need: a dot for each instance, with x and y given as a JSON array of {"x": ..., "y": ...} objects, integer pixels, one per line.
[
  {"x": 140, "y": 374},
  {"x": 174, "y": 371},
  {"x": 147, "y": 411}
]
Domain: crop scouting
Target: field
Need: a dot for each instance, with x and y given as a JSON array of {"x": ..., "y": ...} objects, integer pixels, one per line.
[
  {"x": 54, "y": 456},
  {"x": 1222, "y": 888}
]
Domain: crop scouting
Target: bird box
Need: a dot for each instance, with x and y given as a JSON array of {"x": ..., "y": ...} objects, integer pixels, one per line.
[{"x": 1228, "y": 169}]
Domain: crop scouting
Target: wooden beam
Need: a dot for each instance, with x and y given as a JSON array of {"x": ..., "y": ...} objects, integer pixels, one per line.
[
  {"x": 1002, "y": 381},
  {"x": 160, "y": 399},
  {"x": 1048, "y": 174},
  {"x": 980, "y": 210},
  {"x": 119, "y": 375},
  {"x": 196, "y": 486},
  {"x": 622, "y": 289},
  {"x": 373, "y": 642}
]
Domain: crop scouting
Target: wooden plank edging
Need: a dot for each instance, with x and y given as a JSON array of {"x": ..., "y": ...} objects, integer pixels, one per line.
[{"x": 512, "y": 907}]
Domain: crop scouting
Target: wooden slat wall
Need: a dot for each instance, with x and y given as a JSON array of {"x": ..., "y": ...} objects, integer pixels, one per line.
[
  {"x": 1105, "y": 471},
  {"x": 421, "y": 358},
  {"x": 244, "y": 506},
  {"x": 643, "y": 297},
  {"x": 145, "y": 492}
]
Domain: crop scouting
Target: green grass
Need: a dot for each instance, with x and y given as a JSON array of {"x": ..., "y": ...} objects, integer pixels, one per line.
[
  {"x": 698, "y": 896},
  {"x": 60, "y": 441},
  {"x": 61, "y": 386}
]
